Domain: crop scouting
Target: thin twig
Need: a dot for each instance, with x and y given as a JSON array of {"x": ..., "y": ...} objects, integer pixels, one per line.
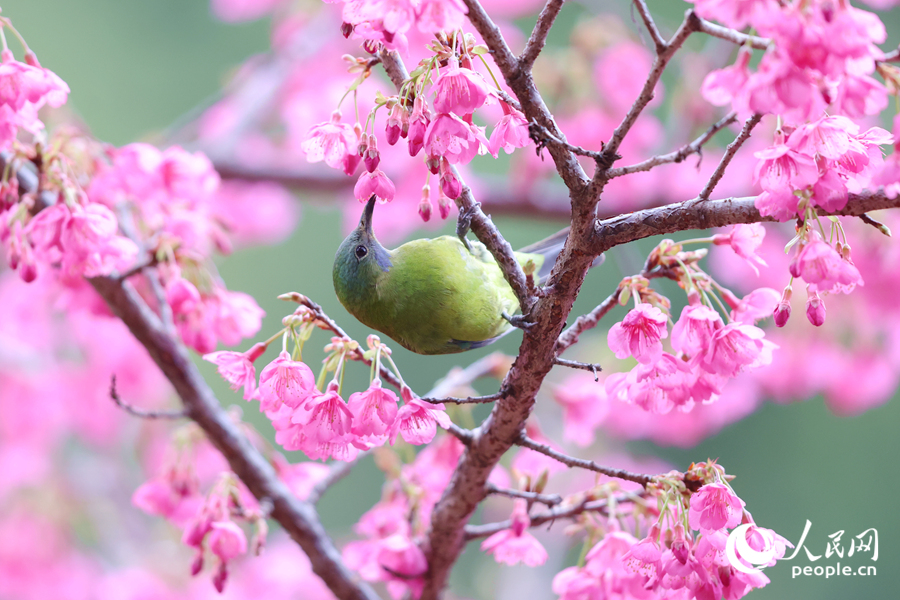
[
  {"x": 460, "y": 433},
  {"x": 557, "y": 512},
  {"x": 679, "y": 155},
  {"x": 574, "y": 364},
  {"x": 590, "y": 465},
  {"x": 330, "y": 324},
  {"x": 538, "y": 36},
  {"x": 588, "y": 321},
  {"x": 542, "y": 138},
  {"x": 336, "y": 472},
  {"x": 687, "y": 27},
  {"x": 548, "y": 499},
  {"x": 658, "y": 40},
  {"x": 469, "y": 400},
  {"x": 140, "y": 412},
  {"x": 730, "y": 35},
  {"x": 730, "y": 151},
  {"x": 876, "y": 224},
  {"x": 495, "y": 365}
]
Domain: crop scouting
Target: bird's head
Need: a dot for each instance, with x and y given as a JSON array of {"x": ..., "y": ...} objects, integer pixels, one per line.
[{"x": 360, "y": 256}]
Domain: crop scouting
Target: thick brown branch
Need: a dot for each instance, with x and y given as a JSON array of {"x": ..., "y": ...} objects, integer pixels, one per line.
[
  {"x": 469, "y": 400},
  {"x": 298, "y": 518},
  {"x": 679, "y": 155},
  {"x": 730, "y": 151},
  {"x": 696, "y": 214},
  {"x": 590, "y": 465},
  {"x": 538, "y": 36}
]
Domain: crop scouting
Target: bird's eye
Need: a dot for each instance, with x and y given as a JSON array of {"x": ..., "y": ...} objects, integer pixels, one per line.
[{"x": 361, "y": 252}]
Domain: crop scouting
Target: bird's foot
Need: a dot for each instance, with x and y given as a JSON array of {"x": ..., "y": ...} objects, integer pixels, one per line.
[
  {"x": 518, "y": 321},
  {"x": 464, "y": 223}
]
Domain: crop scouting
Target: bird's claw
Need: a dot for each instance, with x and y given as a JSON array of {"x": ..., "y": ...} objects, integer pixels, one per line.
[
  {"x": 518, "y": 321},
  {"x": 464, "y": 223}
]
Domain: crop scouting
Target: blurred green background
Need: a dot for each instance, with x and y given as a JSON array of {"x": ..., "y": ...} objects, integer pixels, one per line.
[{"x": 135, "y": 67}]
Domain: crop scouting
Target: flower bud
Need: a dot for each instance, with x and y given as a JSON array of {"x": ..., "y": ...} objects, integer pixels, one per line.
[
  {"x": 782, "y": 313},
  {"x": 433, "y": 163},
  {"x": 450, "y": 185},
  {"x": 346, "y": 29},
  {"x": 371, "y": 155},
  {"x": 425, "y": 204},
  {"x": 815, "y": 309}
]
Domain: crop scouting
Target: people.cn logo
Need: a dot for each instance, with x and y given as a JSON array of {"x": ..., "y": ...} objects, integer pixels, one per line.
[{"x": 738, "y": 551}]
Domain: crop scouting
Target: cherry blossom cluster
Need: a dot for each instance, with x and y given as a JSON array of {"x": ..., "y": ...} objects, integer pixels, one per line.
[
  {"x": 196, "y": 492},
  {"x": 171, "y": 198},
  {"x": 706, "y": 351},
  {"x": 673, "y": 561},
  {"x": 443, "y": 128},
  {"x": 822, "y": 55},
  {"x": 817, "y": 165},
  {"x": 309, "y": 415}
]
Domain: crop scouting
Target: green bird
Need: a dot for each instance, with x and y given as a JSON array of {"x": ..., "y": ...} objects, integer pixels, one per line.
[{"x": 432, "y": 296}]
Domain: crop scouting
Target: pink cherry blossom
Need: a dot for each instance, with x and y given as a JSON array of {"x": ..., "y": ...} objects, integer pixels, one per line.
[
  {"x": 815, "y": 309},
  {"x": 22, "y": 83},
  {"x": 452, "y": 138},
  {"x": 782, "y": 168},
  {"x": 175, "y": 496},
  {"x": 514, "y": 545},
  {"x": 736, "y": 347},
  {"x": 510, "y": 133},
  {"x": 733, "y": 13},
  {"x": 721, "y": 87},
  {"x": 417, "y": 421},
  {"x": 399, "y": 554},
  {"x": 758, "y": 304},
  {"x": 658, "y": 387},
  {"x": 237, "y": 368},
  {"x": 433, "y": 16},
  {"x": 745, "y": 241},
  {"x": 334, "y": 142},
  {"x": 715, "y": 507},
  {"x": 226, "y": 540},
  {"x": 820, "y": 265},
  {"x": 459, "y": 90},
  {"x": 374, "y": 411},
  {"x": 695, "y": 329},
  {"x": 329, "y": 419},
  {"x": 644, "y": 558},
  {"x": 781, "y": 204},
  {"x": 585, "y": 407},
  {"x": 374, "y": 183},
  {"x": 639, "y": 334},
  {"x": 286, "y": 382}
]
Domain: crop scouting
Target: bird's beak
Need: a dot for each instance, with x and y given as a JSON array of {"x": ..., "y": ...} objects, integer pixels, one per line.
[{"x": 365, "y": 222}]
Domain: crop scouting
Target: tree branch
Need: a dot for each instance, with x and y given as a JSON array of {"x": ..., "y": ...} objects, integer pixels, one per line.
[
  {"x": 298, "y": 518},
  {"x": 679, "y": 155},
  {"x": 688, "y": 26},
  {"x": 548, "y": 499},
  {"x": 331, "y": 325},
  {"x": 337, "y": 471},
  {"x": 570, "y": 336},
  {"x": 657, "y": 37},
  {"x": 590, "y": 465},
  {"x": 557, "y": 512},
  {"x": 730, "y": 151},
  {"x": 697, "y": 214},
  {"x": 139, "y": 412},
  {"x": 730, "y": 35},
  {"x": 574, "y": 364},
  {"x": 538, "y": 36}
]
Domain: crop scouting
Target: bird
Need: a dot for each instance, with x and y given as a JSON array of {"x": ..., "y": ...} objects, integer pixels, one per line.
[{"x": 432, "y": 296}]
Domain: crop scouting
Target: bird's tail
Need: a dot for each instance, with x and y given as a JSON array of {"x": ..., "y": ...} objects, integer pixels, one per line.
[{"x": 550, "y": 248}]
